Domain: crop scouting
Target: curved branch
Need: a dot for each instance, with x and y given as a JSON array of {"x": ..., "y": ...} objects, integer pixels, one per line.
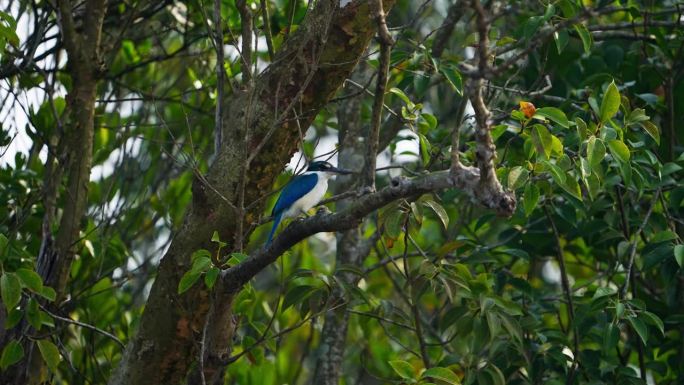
[{"x": 465, "y": 178}]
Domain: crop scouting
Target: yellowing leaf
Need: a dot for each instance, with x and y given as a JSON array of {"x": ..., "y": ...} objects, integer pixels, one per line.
[
  {"x": 610, "y": 103},
  {"x": 442, "y": 374},
  {"x": 619, "y": 150}
]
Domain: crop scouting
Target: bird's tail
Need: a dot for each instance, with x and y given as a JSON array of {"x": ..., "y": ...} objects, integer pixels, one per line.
[{"x": 276, "y": 222}]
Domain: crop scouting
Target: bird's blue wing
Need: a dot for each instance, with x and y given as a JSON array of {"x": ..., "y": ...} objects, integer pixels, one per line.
[{"x": 297, "y": 188}]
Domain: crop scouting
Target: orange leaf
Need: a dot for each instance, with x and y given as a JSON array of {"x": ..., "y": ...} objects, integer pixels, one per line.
[{"x": 527, "y": 108}]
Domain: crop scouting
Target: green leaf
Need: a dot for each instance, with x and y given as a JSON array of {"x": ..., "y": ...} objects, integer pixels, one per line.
[
  {"x": 654, "y": 320},
  {"x": 619, "y": 150},
  {"x": 200, "y": 253},
  {"x": 48, "y": 293},
  {"x": 585, "y": 36},
  {"x": 556, "y": 172},
  {"x": 216, "y": 239},
  {"x": 430, "y": 120},
  {"x": 561, "y": 38},
  {"x": 657, "y": 255},
  {"x": 403, "y": 369},
  {"x": 542, "y": 139},
  {"x": 517, "y": 177},
  {"x": 679, "y": 255},
  {"x": 402, "y": 96},
  {"x": 11, "y": 354},
  {"x": 10, "y": 290},
  {"x": 454, "y": 77},
  {"x": 652, "y": 130},
  {"x": 236, "y": 258},
  {"x": 603, "y": 292},
  {"x": 297, "y": 294},
  {"x": 582, "y": 129},
  {"x": 33, "y": 314},
  {"x": 4, "y": 242},
  {"x": 13, "y": 318},
  {"x": 425, "y": 148},
  {"x": 640, "y": 327},
  {"x": 30, "y": 280},
  {"x": 50, "y": 353},
  {"x": 439, "y": 210},
  {"x": 393, "y": 223},
  {"x": 200, "y": 264},
  {"x": 188, "y": 279},
  {"x": 610, "y": 103},
  {"x": 572, "y": 186},
  {"x": 530, "y": 198},
  {"x": 210, "y": 277},
  {"x": 610, "y": 337},
  {"x": 442, "y": 374},
  {"x": 554, "y": 114},
  {"x": 596, "y": 151}
]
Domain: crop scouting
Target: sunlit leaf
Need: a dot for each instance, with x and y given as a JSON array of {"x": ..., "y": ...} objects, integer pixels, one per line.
[
  {"x": 554, "y": 114},
  {"x": 585, "y": 36},
  {"x": 441, "y": 374},
  {"x": 619, "y": 150},
  {"x": 610, "y": 104},
  {"x": 403, "y": 369},
  {"x": 439, "y": 210}
]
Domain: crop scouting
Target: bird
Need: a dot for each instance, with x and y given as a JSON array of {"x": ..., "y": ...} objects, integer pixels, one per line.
[{"x": 303, "y": 192}]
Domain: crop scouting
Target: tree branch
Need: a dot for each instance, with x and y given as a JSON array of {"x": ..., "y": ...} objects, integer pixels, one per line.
[
  {"x": 386, "y": 42},
  {"x": 466, "y": 179}
]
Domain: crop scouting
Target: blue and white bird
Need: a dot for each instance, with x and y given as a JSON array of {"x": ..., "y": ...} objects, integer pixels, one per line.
[{"x": 303, "y": 192}]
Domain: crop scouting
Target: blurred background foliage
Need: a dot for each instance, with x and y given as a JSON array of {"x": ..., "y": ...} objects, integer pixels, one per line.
[{"x": 597, "y": 168}]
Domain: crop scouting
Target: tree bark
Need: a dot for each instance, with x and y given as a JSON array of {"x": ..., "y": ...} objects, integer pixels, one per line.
[
  {"x": 352, "y": 247},
  {"x": 308, "y": 70},
  {"x": 74, "y": 159}
]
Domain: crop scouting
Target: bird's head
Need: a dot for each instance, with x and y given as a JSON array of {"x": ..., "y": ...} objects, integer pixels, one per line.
[{"x": 321, "y": 166}]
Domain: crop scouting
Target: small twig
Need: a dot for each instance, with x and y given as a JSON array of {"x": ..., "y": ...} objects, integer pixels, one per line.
[
  {"x": 220, "y": 72},
  {"x": 369, "y": 92},
  {"x": 412, "y": 302},
  {"x": 633, "y": 246},
  {"x": 386, "y": 42},
  {"x": 568, "y": 295},
  {"x": 267, "y": 29},
  {"x": 382, "y": 319},
  {"x": 85, "y": 326}
]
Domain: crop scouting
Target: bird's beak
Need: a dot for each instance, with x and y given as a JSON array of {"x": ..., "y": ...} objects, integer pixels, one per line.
[{"x": 340, "y": 171}]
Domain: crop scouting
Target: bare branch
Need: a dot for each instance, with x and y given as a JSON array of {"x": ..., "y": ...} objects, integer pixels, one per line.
[
  {"x": 220, "y": 74},
  {"x": 386, "y": 42}
]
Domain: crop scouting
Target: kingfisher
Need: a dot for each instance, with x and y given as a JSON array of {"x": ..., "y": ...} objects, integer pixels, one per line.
[{"x": 303, "y": 192}]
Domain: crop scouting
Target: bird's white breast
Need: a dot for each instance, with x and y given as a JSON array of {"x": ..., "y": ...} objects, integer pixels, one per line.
[{"x": 311, "y": 198}]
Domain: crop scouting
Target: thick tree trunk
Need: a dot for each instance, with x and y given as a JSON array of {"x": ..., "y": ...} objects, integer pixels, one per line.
[
  {"x": 352, "y": 247},
  {"x": 308, "y": 70}
]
